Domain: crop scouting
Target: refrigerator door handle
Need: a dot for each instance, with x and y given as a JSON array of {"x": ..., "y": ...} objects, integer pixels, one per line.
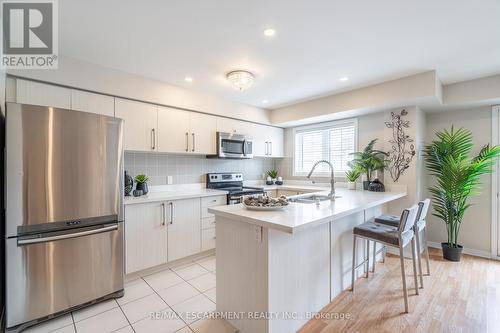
[{"x": 65, "y": 236}]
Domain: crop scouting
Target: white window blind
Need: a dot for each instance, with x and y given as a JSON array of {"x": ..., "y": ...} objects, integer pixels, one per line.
[{"x": 333, "y": 141}]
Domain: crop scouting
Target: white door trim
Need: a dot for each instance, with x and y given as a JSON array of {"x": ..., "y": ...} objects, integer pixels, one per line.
[{"x": 495, "y": 204}]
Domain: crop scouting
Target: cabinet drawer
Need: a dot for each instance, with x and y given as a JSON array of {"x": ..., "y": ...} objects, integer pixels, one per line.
[
  {"x": 208, "y": 239},
  {"x": 208, "y": 222},
  {"x": 211, "y": 202}
]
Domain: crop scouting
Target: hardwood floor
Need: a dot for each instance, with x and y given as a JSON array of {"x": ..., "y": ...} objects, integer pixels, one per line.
[{"x": 457, "y": 297}]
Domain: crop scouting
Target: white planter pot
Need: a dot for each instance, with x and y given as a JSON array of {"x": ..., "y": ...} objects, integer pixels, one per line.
[{"x": 351, "y": 185}]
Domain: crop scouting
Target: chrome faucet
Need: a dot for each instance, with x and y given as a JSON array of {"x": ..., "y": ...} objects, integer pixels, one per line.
[{"x": 331, "y": 195}]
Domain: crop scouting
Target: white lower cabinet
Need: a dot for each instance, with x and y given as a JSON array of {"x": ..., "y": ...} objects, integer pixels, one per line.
[
  {"x": 184, "y": 228},
  {"x": 159, "y": 232},
  {"x": 208, "y": 239},
  {"x": 145, "y": 236}
]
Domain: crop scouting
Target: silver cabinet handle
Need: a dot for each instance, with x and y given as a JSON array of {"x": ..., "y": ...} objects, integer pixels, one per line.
[
  {"x": 271, "y": 145},
  {"x": 164, "y": 214},
  {"x": 187, "y": 141},
  {"x": 66, "y": 236},
  {"x": 153, "y": 139},
  {"x": 171, "y": 212},
  {"x": 266, "y": 147},
  {"x": 193, "y": 141}
]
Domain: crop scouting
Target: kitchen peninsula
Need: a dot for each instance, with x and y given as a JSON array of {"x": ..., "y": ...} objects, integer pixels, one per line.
[{"x": 283, "y": 266}]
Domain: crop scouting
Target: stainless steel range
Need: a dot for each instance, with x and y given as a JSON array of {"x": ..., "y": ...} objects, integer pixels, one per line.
[{"x": 233, "y": 183}]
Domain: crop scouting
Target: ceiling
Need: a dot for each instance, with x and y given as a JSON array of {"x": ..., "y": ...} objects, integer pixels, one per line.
[{"x": 316, "y": 42}]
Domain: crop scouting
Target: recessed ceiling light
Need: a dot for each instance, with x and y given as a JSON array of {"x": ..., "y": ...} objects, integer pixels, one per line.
[
  {"x": 265, "y": 101},
  {"x": 240, "y": 79},
  {"x": 344, "y": 79},
  {"x": 188, "y": 79},
  {"x": 269, "y": 32}
]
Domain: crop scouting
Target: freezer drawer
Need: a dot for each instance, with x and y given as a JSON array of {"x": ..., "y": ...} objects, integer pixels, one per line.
[{"x": 57, "y": 271}]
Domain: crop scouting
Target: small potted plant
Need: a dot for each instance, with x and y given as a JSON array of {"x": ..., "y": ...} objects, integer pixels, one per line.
[
  {"x": 141, "y": 183},
  {"x": 352, "y": 175},
  {"x": 368, "y": 161},
  {"x": 457, "y": 178},
  {"x": 272, "y": 174}
]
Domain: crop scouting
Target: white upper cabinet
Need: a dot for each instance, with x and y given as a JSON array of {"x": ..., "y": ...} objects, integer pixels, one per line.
[
  {"x": 186, "y": 132},
  {"x": 203, "y": 129},
  {"x": 276, "y": 147},
  {"x": 228, "y": 125},
  {"x": 141, "y": 123},
  {"x": 94, "y": 103},
  {"x": 173, "y": 130},
  {"x": 267, "y": 141},
  {"x": 29, "y": 92}
]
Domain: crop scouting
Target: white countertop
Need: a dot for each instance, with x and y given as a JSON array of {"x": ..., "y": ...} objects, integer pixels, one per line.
[
  {"x": 297, "y": 216},
  {"x": 173, "y": 194}
]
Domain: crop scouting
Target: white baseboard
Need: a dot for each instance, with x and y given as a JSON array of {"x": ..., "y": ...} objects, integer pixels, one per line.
[{"x": 472, "y": 252}]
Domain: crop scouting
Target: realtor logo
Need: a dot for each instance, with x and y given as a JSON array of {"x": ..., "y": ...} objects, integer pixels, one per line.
[{"x": 29, "y": 33}]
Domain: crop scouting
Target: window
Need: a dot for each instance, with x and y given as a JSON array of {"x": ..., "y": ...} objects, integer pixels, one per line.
[{"x": 333, "y": 141}]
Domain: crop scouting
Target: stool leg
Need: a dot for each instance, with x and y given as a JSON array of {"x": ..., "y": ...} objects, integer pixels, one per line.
[
  {"x": 413, "y": 258},
  {"x": 419, "y": 258},
  {"x": 353, "y": 262},
  {"x": 374, "y": 256},
  {"x": 426, "y": 251},
  {"x": 405, "y": 292},
  {"x": 367, "y": 262}
]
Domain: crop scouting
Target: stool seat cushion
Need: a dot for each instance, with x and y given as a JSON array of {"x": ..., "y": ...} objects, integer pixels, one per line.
[
  {"x": 391, "y": 220},
  {"x": 382, "y": 233}
]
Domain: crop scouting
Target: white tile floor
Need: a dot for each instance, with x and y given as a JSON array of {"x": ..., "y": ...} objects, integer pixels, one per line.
[{"x": 175, "y": 295}]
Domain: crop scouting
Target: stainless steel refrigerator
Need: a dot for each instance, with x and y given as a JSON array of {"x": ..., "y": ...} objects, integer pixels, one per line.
[{"x": 64, "y": 211}]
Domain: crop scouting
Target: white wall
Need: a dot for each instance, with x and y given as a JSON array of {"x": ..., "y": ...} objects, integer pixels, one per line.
[
  {"x": 88, "y": 76},
  {"x": 475, "y": 232}
]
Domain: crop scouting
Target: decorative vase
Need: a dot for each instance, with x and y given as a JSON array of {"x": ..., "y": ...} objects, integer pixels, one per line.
[
  {"x": 143, "y": 187},
  {"x": 351, "y": 185},
  {"x": 366, "y": 184},
  {"x": 269, "y": 181},
  {"x": 376, "y": 186},
  {"x": 451, "y": 253},
  {"x": 129, "y": 184},
  {"x": 137, "y": 193}
]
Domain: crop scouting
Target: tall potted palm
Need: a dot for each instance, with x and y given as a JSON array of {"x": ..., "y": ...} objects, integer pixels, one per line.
[
  {"x": 368, "y": 161},
  {"x": 457, "y": 178}
]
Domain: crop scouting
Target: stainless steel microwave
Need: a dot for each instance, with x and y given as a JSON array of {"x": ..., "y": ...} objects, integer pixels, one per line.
[{"x": 236, "y": 146}]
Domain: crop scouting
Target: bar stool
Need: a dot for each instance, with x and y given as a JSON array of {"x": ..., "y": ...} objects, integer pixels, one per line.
[
  {"x": 420, "y": 225},
  {"x": 398, "y": 237}
]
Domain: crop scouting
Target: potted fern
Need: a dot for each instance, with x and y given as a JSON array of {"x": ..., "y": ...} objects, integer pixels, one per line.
[
  {"x": 457, "y": 178},
  {"x": 351, "y": 176},
  {"x": 368, "y": 161}
]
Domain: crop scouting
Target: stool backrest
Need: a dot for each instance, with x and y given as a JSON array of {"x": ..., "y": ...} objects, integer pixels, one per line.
[
  {"x": 423, "y": 208},
  {"x": 408, "y": 219}
]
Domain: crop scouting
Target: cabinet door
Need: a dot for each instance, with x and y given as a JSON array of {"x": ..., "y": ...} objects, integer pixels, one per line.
[
  {"x": 203, "y": 128},
  {"x": 173, "y": 130},
  {"x": 184, "y": 230},
  {"x": 140, "y": 128},
  {"x": 227, "y": 125},
  {"x": 145, "y": 236},
  {"x": 260, "y": 139},
  {"x": 29, "y": 92},
  {"x": 276, "y": 142},
  {"x": 94, "y": 103}
]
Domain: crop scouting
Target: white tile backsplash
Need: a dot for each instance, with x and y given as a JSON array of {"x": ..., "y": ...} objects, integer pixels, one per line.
[{"x": 187, "y": 169}]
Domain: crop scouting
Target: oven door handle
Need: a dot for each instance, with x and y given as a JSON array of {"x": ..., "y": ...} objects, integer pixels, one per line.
[
  {"x": 244, "y": 147},
  {"x": 66, "y": 236}
]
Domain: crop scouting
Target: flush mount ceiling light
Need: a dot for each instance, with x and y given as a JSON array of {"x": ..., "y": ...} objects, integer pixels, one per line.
[
  {"x": 188, "y": 79},
  {"x": 269, "y": 32},
  {"x": 265, "y": 101},
  {"x": 241, "y": 80},
  {"x": 344, "y": 79}
]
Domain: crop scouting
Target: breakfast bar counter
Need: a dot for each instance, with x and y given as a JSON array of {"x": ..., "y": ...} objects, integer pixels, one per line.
[{"x": 276, "y": 269}]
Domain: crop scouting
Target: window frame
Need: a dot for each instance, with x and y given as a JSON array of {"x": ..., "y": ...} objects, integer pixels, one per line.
[{"x": 322, "y": 126}]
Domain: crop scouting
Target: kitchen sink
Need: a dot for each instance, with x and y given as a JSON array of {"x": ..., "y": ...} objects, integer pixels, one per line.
[{"x": 311, "y": 198}]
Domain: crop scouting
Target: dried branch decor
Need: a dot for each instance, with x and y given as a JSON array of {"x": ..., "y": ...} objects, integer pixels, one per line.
[{"x": 403, "y": 149}]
